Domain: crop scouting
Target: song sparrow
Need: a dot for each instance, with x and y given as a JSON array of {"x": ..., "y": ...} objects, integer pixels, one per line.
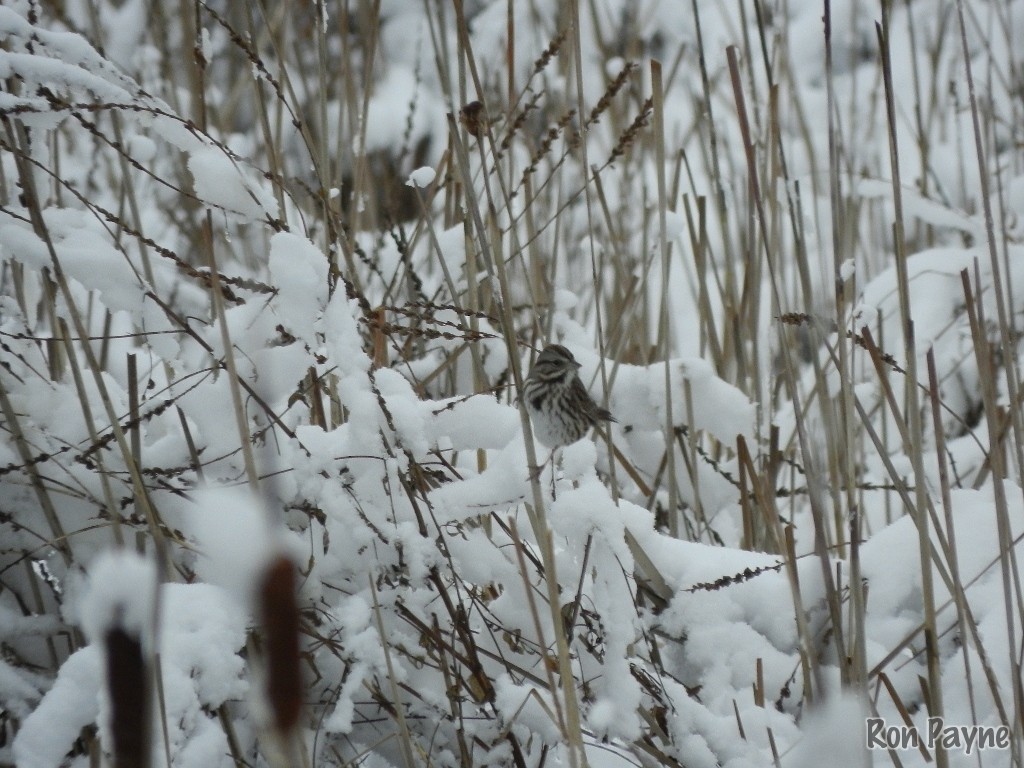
[{"x": 560, "y": 407}]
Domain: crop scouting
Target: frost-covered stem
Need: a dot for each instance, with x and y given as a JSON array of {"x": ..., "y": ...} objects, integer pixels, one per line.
[
  {"x": 436, "y": 22},
  {"x": 816, "y": 488},
  {"x": 497, "y": 257},
  {"x": 538, "y": 518},
  {"x": 990, "y": 402},
  {"x": 274, "y": 150},
  {"x": 704, "y": 267},
  {"x": 161, "y": 702},
  {"x": 327, "y": 171},
  {"x": 540, "y": 288},
  {"x": 1008, "y": 562},
  {"x": 664, "y": 321},
  {"x": 595, "y": 269},
  {"x": 90, "y": 422},
  {"x": 13, "y": 423},
  {"x": 916, "y": 439},
  {"x": 691, "y": 457},
  {"x": 404, "y": 737},
  {"x": 134, "y": 420},
  {"x": 190, "y": 18},
  {"x": 217, "y": 299},
  {"x": 898, "y": 479},
  {"x": 952, "y": 583},
  {"x": 188, "y": 13},
  {"x": 952, "y": 558},
  {"x": 39, "y": 226},
  {"x": 842, "y": 449},
  {"x": 809, "y": 666},
  {"x": 361, "y": 172},
  {"x": 557, "y": 623},
  {"x": 717, "y": 176},
  {"x": 471, "y": 285}
]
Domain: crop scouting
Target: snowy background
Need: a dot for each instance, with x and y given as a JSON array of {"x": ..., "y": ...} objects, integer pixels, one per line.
[{"x": 267, "y": 291}]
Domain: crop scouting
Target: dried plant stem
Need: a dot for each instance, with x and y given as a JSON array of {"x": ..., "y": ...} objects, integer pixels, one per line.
[{"x": 915, "y": 429}]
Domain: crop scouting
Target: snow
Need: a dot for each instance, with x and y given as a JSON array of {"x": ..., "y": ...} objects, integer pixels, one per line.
[
  {"x": 120, "y": 593},
  {"x": 142, "y": 148},
  {"x": 201, "y": 631},
  {"x": 474, "y": 422},
  {"x": 234, "y": 541},
  {"x": 527, "y": 706},
  {"x": 71, "y": 704},
  {"x": 379, "y": 398},
  {"x": 221, "y": 181},
  {"x": 299, "y": 271},
  {"x": 834, "y": 729},
  {"x": 421, "y": 177}
]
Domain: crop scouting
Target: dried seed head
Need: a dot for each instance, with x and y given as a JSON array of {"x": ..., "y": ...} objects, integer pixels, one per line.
[{"x": 474, "y": 119}]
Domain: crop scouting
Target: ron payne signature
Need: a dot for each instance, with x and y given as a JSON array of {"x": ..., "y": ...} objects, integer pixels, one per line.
[{"x": 961, "y": 738}]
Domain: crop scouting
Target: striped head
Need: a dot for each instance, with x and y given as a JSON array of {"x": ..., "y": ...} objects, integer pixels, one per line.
[{"x": 555, "y": 363}]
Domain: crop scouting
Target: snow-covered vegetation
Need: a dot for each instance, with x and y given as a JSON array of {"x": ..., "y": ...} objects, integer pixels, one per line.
[{"x": 272, "y": 274}]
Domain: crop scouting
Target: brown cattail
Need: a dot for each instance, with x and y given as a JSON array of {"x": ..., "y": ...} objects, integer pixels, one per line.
[
  {"x": 279, "y": 614},
  {"x": 128, "y": 686}
]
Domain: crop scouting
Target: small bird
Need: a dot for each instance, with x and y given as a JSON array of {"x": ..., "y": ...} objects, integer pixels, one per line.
[{"x": 561, "y": 409}]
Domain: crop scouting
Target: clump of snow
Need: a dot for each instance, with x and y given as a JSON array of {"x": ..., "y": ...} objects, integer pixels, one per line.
[
  {"x": 224, "y": 182},
  {"x": 120, "y": 593},
  {"x": 528, "y": 706},
  {"x": 47, "y": 734},
  {"x": 639, "y": 397},
  {"x": 834, "y": 733},
  {"x": 421, "y": 177},
  {"x": 299, "y": 271},
  {"x": 474, "y": 422},
  {"x": 85, "y": 253},
  {"x": 141, "y": 148},
  {"x": 232, "y": 531}
]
